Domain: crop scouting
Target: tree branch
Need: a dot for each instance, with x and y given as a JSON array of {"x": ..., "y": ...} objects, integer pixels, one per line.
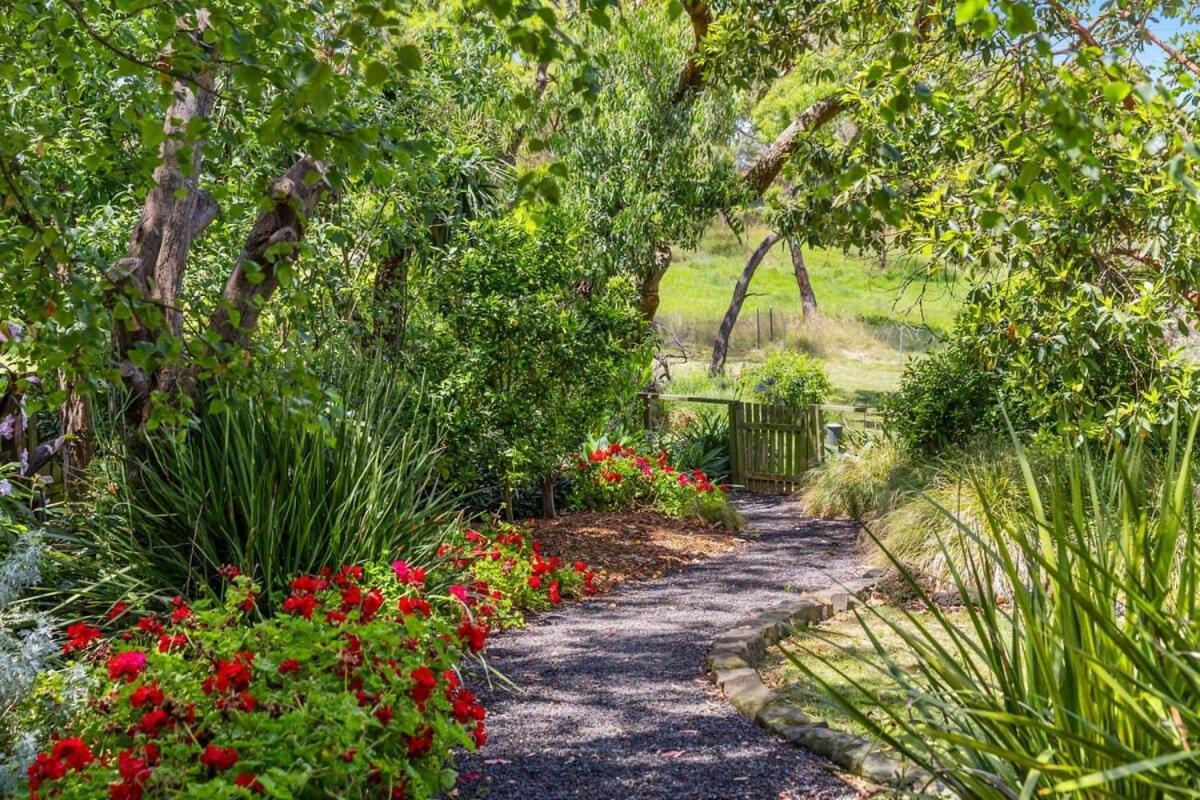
[
  {"x": 692, "y": 75},
  {"x": 272, "y": 241},
  {"x": 762, "y": 173}
]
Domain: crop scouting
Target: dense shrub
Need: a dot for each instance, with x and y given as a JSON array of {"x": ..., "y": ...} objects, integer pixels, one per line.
[
  {"x": 351, "y": 690},
  {"x": 787, "y": 378},
  {"x": 517, "y": 577},
  {"x": 945, "y": 398},
  {"x": 616, "y": 477}
]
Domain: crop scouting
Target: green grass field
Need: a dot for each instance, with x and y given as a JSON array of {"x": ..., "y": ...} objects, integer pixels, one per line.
[{"x": 872, "y": 317}]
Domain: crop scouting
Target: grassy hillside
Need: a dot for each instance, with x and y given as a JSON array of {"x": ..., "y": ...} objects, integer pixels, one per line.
[{"x": 873, "y": 317}]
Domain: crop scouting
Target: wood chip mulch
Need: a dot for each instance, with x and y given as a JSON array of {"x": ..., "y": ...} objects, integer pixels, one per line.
[{"x": 632, "y": 545}]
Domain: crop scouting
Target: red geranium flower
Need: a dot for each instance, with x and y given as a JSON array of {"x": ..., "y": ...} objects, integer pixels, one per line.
[
  {"x": 300, "y": 605},
  {"x": 126, "y": 665},
  {"x": 420, "y": 743},
  {"x": 414, "y": 576},
  {"x": 79, "y": 636},
  {"x": 117, "y": 610},
  {"x": 553, "y": 594},
  {"x": 424, "y": 682},
  {"x": 148, "y": 695},
  {"x": 167, "y": 642},
  {"x": 414, "y": 605},
  {"x": 152, "y": 722},
  {"x": 249, "y": 781},
  {"x": 288, "y": 665},
  {"x": 73, "y": 752},
  {"x": 219, "y": 758},
  {"x": 474, "y": 636}
]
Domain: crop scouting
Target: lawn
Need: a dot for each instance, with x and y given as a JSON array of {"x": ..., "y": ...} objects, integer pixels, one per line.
[
  {"x": 840, "y": 653},
  {"x": 873, "y": 316}
]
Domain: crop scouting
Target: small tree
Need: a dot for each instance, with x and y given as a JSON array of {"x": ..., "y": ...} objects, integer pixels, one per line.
[{"x": 527, "y": 343}]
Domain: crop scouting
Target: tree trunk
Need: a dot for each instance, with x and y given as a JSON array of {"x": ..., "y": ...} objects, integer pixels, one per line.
[
  {"x": 721, "y": 346},
  {"x": 75, "y": 425},
  {"x": 391, "y": 298},
  {"x": 272, "y": 241},
  {"x": 548, "y": 510},
  {"x": 175, "y": 212},
  {"x": 650, "y": 284},
  {"x": 507, "y": 491},
  {"x": 808, "y": 300}
]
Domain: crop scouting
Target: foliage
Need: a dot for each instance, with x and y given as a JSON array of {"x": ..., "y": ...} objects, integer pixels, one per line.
[
  {"x": 616, "y": 477},
  {"x": 251, "y": 486},
  {"x": 702, "y": 444},
  {"x": 525, "y": 343},
  {"x": 1080, "y": 679},
  {"x": 517, "y": 577},
  {"x": 869, "y": 477},
  {"x": 947, "y": 398},
  {"x": 960, "y": 490},
  {"x": 357, "y": 663},
  {"x": 787, "y": 378},
  {"x": 27, "y": 641}
]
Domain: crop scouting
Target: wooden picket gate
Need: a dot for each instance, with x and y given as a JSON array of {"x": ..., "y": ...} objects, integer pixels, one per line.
[{"x": 770, "y": 447}]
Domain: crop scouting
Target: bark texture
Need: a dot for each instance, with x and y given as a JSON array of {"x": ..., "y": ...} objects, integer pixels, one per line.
[
  {"x": 176, "y": 211},
  {"x": 272, "y": 241},
  {"x": 691, "y": 77},
  {"x": 548, "y": 509},
  {"x": 721, "y": 346},
  {"x": 763, "y": 172},
  {"x": 652, "y": 282},
  {"x": 808, "y": 300}
]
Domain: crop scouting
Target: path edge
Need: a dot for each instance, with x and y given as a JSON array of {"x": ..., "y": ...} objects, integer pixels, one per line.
[{"x": 732, "y": 664}]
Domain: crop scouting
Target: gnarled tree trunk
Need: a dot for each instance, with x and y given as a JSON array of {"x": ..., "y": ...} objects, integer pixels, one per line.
[
  {"x": 808, "y": 300},
  {"x": 721, "y": 346},
  {"x": 272, "y": 241},
  {"x": 652, "y": 282},
  {"x": 175, "y": 212}
]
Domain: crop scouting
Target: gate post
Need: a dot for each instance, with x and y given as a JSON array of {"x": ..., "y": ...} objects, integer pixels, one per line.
[{"x": 735, "y": 443}]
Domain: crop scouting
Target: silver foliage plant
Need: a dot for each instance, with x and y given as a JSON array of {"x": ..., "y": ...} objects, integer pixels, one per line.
[{"x": 27, "y": 643}]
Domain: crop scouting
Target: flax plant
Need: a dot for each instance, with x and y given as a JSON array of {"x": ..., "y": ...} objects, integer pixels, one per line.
[
  {"x": 251, "y": 488},
  {"x": 1079, "y": 676}
]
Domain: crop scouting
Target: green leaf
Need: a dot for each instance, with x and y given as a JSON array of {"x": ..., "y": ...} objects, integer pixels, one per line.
[
  {"x": 376, "y": 73},
  {"x": 1116, "y": 91},
  {"x": 408, "y": 58},
  {"x": 967, "y": 10}
]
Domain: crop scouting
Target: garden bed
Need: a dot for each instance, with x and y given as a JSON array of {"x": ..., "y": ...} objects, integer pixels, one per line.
[{"x": 633, "y": 545}]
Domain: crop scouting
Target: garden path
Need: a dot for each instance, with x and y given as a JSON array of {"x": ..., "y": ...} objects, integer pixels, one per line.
[{"x": 610, "y": 701}]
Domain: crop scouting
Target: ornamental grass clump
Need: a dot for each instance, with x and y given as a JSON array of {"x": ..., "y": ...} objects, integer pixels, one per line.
[
  {"x": 1081, "y": 678},
  {"x": 615, "y": 477},
  {"x": 350, "y": 691}
]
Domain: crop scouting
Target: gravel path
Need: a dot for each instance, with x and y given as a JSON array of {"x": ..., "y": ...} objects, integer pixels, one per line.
[{"x": 610, "y": 699}]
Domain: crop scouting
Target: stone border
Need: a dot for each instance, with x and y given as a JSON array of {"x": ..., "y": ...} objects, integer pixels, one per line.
[{"x": 733, "y": 666}]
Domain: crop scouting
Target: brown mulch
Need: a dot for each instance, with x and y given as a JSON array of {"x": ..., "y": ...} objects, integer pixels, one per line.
[{"x": 632, "y": 545}]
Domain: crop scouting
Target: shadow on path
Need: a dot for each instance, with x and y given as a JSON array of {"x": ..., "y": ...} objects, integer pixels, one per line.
[{"x": 611, "y": 700}]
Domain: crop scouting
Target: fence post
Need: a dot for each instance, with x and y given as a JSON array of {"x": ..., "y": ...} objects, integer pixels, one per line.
[
  {"x": 771, "y": 322},
  {"x": 735, "y": 444}
]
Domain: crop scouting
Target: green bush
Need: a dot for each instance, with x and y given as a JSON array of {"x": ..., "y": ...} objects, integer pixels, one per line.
[
  {"x": 251, "y": 487},
  {"x": 944, "y": 398},
  {"x": 1078, "y": 678},
  {"x": 787, "y": 378}
]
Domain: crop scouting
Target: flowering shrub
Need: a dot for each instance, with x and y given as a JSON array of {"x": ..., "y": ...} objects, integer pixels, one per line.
[
  {"x": 351, "y": 691},
  {"x": 508, "y": 568},
  {"x": 617, "y": 477}
]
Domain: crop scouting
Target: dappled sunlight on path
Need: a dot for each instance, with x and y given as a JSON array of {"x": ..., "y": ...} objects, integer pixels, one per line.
[{"x": 610, "y": 698}]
